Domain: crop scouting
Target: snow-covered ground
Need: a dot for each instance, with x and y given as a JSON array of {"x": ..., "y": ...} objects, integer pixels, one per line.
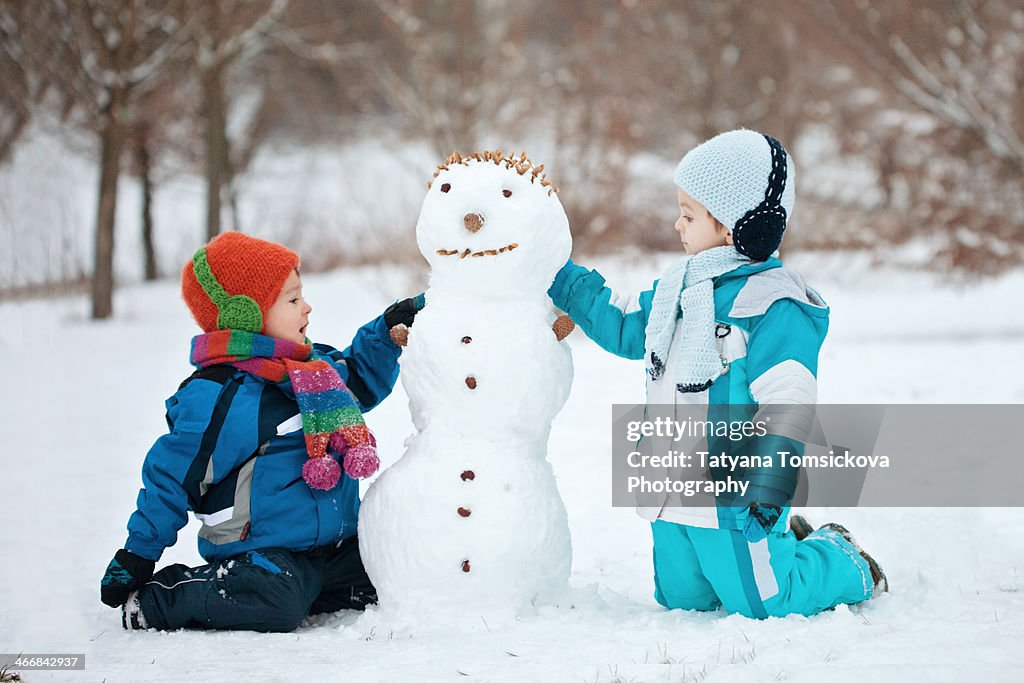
[{"x": 82, "y": 402}]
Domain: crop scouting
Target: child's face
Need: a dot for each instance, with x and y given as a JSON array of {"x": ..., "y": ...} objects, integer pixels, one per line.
[
  {"x": 697, "y": 229},
  {"x": 289, "y": 316}
]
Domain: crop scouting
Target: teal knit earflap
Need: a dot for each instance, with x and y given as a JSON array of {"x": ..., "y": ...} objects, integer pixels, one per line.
[{"x": 234, "y": 311}]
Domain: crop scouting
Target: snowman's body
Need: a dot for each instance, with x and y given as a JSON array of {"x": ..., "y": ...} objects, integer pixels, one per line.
[{"x": 470, "y": 515}]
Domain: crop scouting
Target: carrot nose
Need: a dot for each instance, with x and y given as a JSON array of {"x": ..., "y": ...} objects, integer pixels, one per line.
[{"x": 473, "y": 221}]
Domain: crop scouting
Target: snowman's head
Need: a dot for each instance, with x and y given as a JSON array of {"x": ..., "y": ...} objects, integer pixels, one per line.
[{"x": 493, "y": 222}]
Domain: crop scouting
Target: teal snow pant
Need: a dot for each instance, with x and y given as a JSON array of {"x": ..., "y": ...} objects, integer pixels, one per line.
[{"x": 703, "y": 569}]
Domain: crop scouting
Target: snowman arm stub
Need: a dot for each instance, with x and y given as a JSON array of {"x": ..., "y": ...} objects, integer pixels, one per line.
[
  {"x": 562, "y": 327},
  {"x": 400, "y": 335},
  {"x": 399, "y": 317},
  {"x": 583, "y": 295}
]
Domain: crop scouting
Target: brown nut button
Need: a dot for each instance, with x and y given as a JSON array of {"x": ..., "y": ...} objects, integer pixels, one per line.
[
  {"x": 467, "y": 339},
  {"x": 465, "y": 512},
  {"x": 400, "y": 335},
  {"x": 471, "y": 382},
  {"x": 465, "y": 566},
  {"x": 563, "y": 327},
  {"x": 468, "y": 475}
]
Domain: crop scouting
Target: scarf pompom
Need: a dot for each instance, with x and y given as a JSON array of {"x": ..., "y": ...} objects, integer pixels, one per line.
[
  {"x": 321, "y": 473},
  {"x": 361, "y": 462}
]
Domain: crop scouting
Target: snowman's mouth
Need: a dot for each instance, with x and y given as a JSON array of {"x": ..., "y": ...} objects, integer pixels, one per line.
[{"x": 468, "y": 252}]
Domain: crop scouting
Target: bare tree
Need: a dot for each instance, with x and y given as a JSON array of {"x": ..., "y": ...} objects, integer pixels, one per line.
[
  {"x": 14, "y": 80},
  {"x": 653, "y": 79},
  {"x": 102, "y": 57},
  {"x": 948, "y": 125},
  {"x": 455, "y": 70},
  {"x": 958, "y": 61},
  {"x": 926, "y": 97},
  {"x": 155, "y": 134},
  {"x": 225, "y": 33}
]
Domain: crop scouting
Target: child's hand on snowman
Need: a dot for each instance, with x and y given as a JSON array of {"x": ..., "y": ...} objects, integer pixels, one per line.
[{"x": 399, "y": 317}]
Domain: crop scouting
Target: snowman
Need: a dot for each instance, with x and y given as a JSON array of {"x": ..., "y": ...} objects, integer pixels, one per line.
[{"x": 470, "y": 518}]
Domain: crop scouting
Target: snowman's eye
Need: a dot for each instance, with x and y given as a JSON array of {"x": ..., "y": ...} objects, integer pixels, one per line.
[
  {"x": 507, "y": 193},
  {"x": 446, "y": 187}
]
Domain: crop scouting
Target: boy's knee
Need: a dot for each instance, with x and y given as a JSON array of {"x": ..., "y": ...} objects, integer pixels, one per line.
[
  {"x": 283, "y": 617},
  {"x": 750, "y": 612},
  {"x": 270, "y": 591},
  {"x": 700, "y": 602},
  {"x": 276, "y": 606},
  {"x": 762, "y": 610}
]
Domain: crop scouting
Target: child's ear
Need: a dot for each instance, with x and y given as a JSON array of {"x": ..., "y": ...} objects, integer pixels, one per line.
[
  {"x": 720, "y": 227},
  {"x": 727, "y": 231}
]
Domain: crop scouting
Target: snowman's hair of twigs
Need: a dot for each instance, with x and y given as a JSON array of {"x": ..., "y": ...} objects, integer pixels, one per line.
[{"x": 520, "y": 164}]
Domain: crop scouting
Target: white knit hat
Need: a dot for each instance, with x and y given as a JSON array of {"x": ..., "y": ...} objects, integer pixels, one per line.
[{"x": 746, "y": 181}]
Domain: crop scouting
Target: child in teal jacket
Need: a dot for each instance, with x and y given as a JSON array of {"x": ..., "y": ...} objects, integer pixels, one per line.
[{"x": 729, "y": 325}]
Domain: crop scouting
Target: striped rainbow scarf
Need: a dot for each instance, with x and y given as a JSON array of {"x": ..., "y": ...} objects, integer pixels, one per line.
[{"x": 331, "y": 419}]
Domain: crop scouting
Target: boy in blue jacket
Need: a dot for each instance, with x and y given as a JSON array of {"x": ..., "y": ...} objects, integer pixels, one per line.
[
  {"x": 728, "y": 325},
  {"x": 253, "y": 449}
]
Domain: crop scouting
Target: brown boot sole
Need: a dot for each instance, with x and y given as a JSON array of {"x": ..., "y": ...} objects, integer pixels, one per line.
[
  {"x": 800, "y": 527},
  {"x": 881, "y": 583}
]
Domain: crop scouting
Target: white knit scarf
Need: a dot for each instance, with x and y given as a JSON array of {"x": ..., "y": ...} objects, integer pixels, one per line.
[{"x": 687, "y": 289}]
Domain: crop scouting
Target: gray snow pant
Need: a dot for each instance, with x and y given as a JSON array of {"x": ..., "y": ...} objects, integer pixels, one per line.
[{"x": 268, "y": 590}]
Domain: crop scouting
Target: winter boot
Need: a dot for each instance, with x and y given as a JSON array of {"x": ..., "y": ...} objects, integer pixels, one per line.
[
  {"x": 877, "y": 575},
  {"x": 131, "y": 613},
  {"x": 800, "y": 527}
]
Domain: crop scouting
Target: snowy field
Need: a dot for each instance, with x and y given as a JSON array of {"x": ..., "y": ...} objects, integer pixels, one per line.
[{"x": 83, "y": 401}]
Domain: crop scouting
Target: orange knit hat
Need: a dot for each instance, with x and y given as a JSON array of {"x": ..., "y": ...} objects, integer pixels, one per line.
[{"x": 234, "y": 266}]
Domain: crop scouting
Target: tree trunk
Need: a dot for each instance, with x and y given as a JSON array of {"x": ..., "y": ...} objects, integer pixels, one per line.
[
  {"x": 216, "y": 147},
  {"x": 236, "y": 220},
  {"x": 228, "y": 180},
  {"x": 111, "y": 144},
  {"x": 146, "y": 178}
]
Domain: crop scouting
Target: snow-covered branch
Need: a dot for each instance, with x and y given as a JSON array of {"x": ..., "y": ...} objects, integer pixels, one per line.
[
  {"x": 942, "y": 74},
  {"x": 245, "y": 39}
]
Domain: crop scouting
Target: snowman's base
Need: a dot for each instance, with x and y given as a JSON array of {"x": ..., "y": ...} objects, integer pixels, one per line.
[
  {"x": 442, "y": 616},
  {"x": 433, "y": 536}
]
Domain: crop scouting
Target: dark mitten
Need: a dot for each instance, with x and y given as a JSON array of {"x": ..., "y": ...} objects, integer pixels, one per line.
[
  {"x": 403, "y": 312},
  {"x": 127, "y": 572},
  {"x": 760, "y": 522}
]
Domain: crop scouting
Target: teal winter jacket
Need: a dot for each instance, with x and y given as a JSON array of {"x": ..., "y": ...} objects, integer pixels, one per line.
[{"x": 770, "y": 328}]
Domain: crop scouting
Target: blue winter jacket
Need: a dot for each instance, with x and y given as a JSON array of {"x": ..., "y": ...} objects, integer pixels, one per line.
[
  {"x": 234, "y": 456},
  {"x": 771, "y": 328}
]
